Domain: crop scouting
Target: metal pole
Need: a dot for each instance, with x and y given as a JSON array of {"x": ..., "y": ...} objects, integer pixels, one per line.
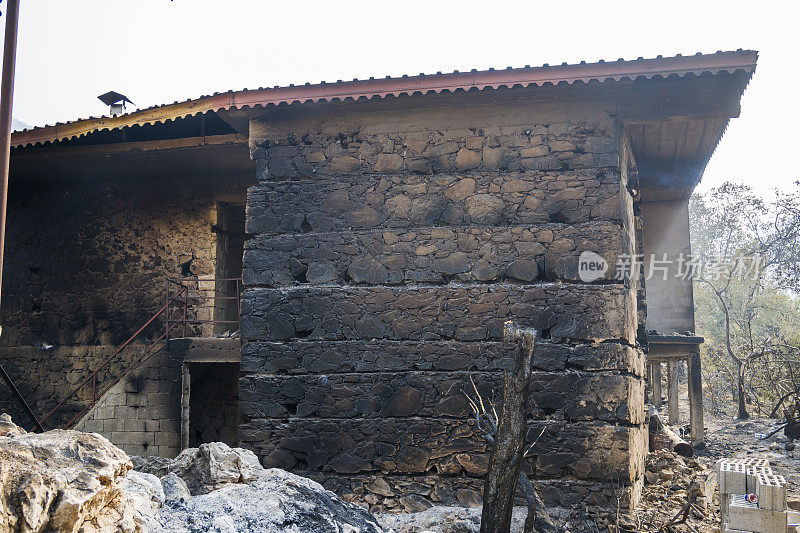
[
  {"x": 6, "y": 95},
  {"x": 21, "y": 400}
]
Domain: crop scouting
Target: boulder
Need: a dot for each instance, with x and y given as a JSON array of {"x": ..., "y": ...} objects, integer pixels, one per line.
[
  {"x": 70, "y": 481},
  {"x": 158, "y": 466},
  {"x": 175, "y": 489},
  {"x": 9, "y": 428},
  {"x": 275, "y": 502},
  {"x": 134, "y": 508},
  {"x": 58, "y": 480},
  {"x": 214, "y": 465}
]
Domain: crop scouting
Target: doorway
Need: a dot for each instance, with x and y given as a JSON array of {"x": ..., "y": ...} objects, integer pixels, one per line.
[
  {"x": 213, "y": 403},
  {"x": 230, "y": 234}
]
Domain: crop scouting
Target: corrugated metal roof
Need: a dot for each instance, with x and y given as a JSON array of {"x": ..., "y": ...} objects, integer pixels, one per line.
[{"x": 740, "y": 60}]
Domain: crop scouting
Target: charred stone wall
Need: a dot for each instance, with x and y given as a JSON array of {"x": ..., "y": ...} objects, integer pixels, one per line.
[
  {"x": 387, "y": 249},
  {"x": 86, "y": 266}
]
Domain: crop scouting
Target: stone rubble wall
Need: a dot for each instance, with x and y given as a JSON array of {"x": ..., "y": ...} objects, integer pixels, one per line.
[
  {"x": 329, "y": 357},
  {"x": 431, "y": 312},
  {"x": 87, "y": 266},
  {"x": 431, "y": 255},
  {"x": 45, "y": 376},
  {"x": 386, "y": 252},
  {"x": 399, "y": 201},
  {"x": 576, "y": 396}
]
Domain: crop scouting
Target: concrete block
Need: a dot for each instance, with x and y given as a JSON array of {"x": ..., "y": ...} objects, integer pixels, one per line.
[
  {"x": 167, "y": 439},
  {"x": 170, "y": 426},
  {"x": 732, "y": 477},
  {"x": 728, "y": 529},
  {"x": 771, "y": 491},
  {"x": 159, "y": 398},
  {"x": 161, "y": 412},
  {"x": 746, "y": 516},
  {"x": 114, "y": 399},
  {"x": 755, "y": 461},
  {"x": 753, "y": 473},
  {"x": 168, "y": 451},
  {"x": 136, "y": 400},
  {"x": 93, "y": 426},
  {"x": 149, "y": 386},
  {"x": 136, "y": 449},
  {"x": 134, "y": 424},
  {"x": 793, "y": 517},
  {"x": 103, "y": 412},
  {"x": 111, "y": 425}
]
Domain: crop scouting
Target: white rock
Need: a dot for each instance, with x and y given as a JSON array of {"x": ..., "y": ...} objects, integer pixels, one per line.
[
  {"x": 275, "y": 502},
  {"x": 215, "y": 464},
  {"x": 175, "y": 489},
  {"x": 56, "y": 480}
]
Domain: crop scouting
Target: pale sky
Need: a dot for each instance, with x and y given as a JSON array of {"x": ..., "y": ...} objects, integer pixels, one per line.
[{"x": 159, "y": 51}]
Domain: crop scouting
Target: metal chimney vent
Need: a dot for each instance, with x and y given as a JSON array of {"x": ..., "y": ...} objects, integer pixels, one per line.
[{"x": 115, "y": 101}]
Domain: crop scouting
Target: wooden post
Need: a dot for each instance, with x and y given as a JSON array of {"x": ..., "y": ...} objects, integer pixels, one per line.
[
  {"x": 695, "y": 400},
  {"x": 672, "y": 392},
  {"x": 656, "y": 374},
  {"x": 509, "y": 443}
]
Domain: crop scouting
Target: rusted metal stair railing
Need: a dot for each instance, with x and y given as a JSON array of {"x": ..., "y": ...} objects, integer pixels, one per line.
[
  {"x": 20, "y": 399},
  {"x": 92, "y": 378}
]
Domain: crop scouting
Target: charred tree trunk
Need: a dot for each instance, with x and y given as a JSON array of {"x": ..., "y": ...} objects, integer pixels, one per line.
[
  {"x": 537, "y": 521},
  {"x": 509, "y": 445},
  {"x": 674, "y": 442},
  {"x": 740, "y": 392}
]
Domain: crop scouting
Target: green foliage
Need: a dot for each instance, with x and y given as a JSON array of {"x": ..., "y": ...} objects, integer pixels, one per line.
[{"x": 750, "y": 318}]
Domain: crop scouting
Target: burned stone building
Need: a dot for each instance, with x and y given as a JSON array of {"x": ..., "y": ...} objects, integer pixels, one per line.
[{"x": 367, "y": 240}]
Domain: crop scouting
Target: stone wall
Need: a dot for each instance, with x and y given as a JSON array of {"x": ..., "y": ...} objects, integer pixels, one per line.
[
  {"x": 387, "y": 249},
  {"x": 87, "y": 265}
]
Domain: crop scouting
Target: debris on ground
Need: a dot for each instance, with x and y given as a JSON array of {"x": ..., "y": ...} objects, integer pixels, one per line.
[{"x": 675, "y": 487}]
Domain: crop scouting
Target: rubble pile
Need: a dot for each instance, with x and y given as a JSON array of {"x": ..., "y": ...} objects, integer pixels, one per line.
[{"x": 672, "y": 481}]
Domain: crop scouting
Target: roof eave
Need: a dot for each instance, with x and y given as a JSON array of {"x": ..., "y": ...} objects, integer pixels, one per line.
[{"x": 731, "y": 62}]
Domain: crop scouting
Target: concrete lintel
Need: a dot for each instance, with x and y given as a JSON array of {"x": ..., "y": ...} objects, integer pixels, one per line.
[{"x": 207, "y": 350}]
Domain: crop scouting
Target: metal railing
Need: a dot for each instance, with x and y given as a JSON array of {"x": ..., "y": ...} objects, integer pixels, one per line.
[
  {"x": 181, "y": 296},
  {"x": 192, "y": 294},
  {"x": 37, "y": 426},
  {"x": 98, "y": 392}
]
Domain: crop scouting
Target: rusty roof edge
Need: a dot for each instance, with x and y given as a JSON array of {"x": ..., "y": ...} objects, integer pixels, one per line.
[{"x": 383, "y": 87}]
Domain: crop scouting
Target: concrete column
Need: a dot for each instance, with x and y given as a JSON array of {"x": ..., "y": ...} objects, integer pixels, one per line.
[
  {"x": 656, "y": 374},
  {"x": 186, "y": 380},
  {"x": 648, "y": 383},
  {"x": 672, "y": 391},
  {"x": 695, "y": 400}
]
